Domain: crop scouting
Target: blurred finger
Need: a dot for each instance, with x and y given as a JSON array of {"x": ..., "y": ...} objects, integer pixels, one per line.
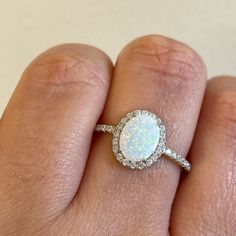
[{"x": 205, "y": 203}]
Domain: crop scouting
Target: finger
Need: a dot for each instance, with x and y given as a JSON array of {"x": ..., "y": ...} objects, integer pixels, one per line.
[
  {"x": 205, "y": 203},
  {"x": 46, "y": 130},
  {"x": 167, "y": 78}
]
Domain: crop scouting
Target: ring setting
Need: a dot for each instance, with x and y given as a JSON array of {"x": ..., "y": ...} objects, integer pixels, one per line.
[{"x": 139, "y": 140}]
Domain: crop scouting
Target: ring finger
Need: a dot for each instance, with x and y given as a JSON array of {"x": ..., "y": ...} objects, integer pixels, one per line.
[{"x": 168, "y": 78}]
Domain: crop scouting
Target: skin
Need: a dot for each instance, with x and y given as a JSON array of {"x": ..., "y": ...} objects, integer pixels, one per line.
[{"x": 58, "y": 178}]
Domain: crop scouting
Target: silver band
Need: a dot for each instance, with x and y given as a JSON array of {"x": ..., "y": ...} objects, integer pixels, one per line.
[
  {"x": 109, "y": 129},
  {"x": 116, "y": 131}
]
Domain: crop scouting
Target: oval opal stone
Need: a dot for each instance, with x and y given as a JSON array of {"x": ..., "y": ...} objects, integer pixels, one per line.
[{"x": 139, "y": 138}]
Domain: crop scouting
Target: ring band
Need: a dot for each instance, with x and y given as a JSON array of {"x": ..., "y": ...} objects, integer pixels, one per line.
[{"x": 139, "y": 140}]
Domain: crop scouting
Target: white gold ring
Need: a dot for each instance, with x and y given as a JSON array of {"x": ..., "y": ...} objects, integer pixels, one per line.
[{"x": 139, "y": 140}]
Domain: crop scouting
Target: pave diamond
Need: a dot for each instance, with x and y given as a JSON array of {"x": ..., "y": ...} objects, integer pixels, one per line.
[{"x": 139, "y": 137}]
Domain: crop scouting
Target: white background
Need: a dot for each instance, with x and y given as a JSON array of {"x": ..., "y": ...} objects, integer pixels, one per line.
[{"x": 28, "y": 27}]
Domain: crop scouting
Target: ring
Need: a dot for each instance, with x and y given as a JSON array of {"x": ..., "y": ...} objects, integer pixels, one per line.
[{"x": 139, "y": 140}]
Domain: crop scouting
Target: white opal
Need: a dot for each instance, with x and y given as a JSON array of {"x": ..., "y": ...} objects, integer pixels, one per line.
[{"x": 139, "y": 138}]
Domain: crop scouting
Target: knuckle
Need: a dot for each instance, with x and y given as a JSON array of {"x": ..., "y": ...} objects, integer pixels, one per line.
[
  {"x": 164, "y": 56},
  {"x": 225, "y": 108},
  {"x": 227, "y": 104},
  {"x": 65, "y": 65}
]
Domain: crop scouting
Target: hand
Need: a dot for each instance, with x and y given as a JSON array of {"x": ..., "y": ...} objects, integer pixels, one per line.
[{"x": 54, "y": 181}]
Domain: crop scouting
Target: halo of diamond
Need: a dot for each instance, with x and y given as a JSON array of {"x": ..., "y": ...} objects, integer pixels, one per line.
[{"x": 153, "y": 157}]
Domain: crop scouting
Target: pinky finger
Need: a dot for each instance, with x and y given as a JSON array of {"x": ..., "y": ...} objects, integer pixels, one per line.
[{"x": 205, "y": 203}]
